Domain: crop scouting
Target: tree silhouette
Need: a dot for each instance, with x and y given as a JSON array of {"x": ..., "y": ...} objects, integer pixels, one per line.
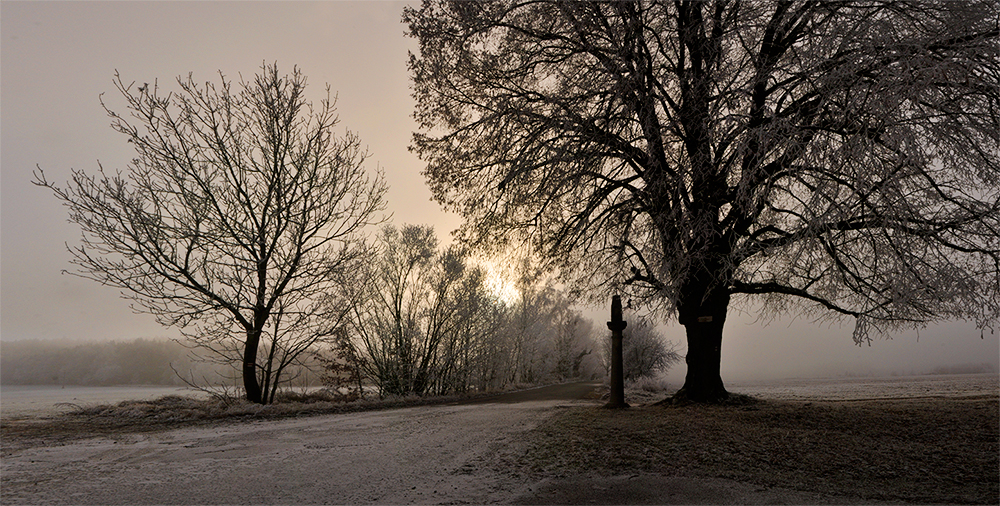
[{"x": 238, "y": 215}]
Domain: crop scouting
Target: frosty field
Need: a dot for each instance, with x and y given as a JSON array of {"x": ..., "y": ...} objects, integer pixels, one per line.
[
  {"x": 18, "y": 401},
  {"x": 892, "y": 387}
]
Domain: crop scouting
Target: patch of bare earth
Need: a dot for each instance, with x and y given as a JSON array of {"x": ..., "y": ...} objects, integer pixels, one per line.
[{"x": 906, "y": 450}]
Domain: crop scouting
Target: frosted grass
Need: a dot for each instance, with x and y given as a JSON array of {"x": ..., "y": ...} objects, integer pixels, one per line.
[{"x": 897, "y": 387}]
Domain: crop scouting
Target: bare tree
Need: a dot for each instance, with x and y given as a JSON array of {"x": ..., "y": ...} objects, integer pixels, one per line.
[
  {"x": 473, "y": 319},
  {"x": 388, "y": 307},
  {"x": 342, "y": 367},
  {"x": 239, "y": 211},
  {"x": 423, "y": 319},
  {"x": 573, "y": 339},
  {"x": 833, "y": 158},
  {"x": 530, "y": 326}
]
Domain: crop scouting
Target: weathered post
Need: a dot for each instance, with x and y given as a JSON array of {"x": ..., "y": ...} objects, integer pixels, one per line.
[{"x": 617, "y": 325}]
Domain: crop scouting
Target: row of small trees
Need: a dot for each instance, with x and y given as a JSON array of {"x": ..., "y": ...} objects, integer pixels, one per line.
[{"x": 424, "y": 320}]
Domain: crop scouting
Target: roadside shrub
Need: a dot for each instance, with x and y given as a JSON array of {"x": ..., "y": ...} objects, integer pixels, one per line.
[
  {"x": 649, "y": 384},
  {"x": 645, "y": 353}
]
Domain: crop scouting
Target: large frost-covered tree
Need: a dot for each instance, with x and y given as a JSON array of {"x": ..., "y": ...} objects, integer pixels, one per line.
[{"x": 833, "y": 158}]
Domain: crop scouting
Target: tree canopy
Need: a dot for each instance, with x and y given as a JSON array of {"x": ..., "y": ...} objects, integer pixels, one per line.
[{"x": 838, "y": 159}]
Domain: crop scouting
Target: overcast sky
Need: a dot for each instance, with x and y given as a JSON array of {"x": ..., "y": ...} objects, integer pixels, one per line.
[{"x": 57, "y": 58}]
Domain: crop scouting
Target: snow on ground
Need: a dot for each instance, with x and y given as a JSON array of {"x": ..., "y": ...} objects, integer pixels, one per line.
[{"x": 870, "y": 388}]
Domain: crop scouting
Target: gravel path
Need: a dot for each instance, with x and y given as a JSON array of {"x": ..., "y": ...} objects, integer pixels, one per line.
[{"x": 430, "y": 454}]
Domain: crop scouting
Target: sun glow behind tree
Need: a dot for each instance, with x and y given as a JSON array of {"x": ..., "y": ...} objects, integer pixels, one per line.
[{"x": 499, "y": 284}]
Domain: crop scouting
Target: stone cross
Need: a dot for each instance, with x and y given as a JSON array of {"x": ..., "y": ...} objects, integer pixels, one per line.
[{"x": 616, "y": 325}]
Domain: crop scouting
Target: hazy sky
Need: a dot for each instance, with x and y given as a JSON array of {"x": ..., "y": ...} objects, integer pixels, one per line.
[{"x": 57, "y": 58}]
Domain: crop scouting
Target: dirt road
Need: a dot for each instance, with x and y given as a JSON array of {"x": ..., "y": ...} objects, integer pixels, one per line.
[{"x": 430, "y": 454}]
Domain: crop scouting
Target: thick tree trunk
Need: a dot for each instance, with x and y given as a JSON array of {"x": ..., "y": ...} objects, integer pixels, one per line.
[
  {"x": 250, "y": 384},
  {"x": 703, "y": 382},
  {"x": 703, "y": 317}
]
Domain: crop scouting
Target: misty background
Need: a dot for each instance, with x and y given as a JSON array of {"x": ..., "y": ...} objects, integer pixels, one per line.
[{"x": 59, "y": 57}]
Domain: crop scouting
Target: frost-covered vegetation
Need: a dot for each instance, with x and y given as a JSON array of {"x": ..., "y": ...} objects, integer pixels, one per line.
[
  {"x": 425, "y": 320},
  {"x": 830, "y": 159},
  {"x": 645, "y": 352},
  {"x": 254, "y": 245},
  {"x": 182, "y": 408}
]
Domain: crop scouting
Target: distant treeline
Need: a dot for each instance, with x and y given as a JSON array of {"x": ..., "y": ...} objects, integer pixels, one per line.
[
  {"x": 983, "y": 368},
  {"x": 139, "y": 362}
]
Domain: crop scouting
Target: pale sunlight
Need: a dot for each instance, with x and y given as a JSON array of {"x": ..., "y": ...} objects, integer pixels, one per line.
[{"x": 500, "y": 285}]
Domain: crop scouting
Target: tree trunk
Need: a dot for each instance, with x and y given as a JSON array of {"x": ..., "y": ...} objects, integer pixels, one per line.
[
  {"x": 250, "y": 384},
  {"x": 703, "y": 382},
  {"x": 703, "y": 316}
]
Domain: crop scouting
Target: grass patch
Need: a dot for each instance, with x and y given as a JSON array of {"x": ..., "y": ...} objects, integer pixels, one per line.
[{"x": 912, "y": 451}]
